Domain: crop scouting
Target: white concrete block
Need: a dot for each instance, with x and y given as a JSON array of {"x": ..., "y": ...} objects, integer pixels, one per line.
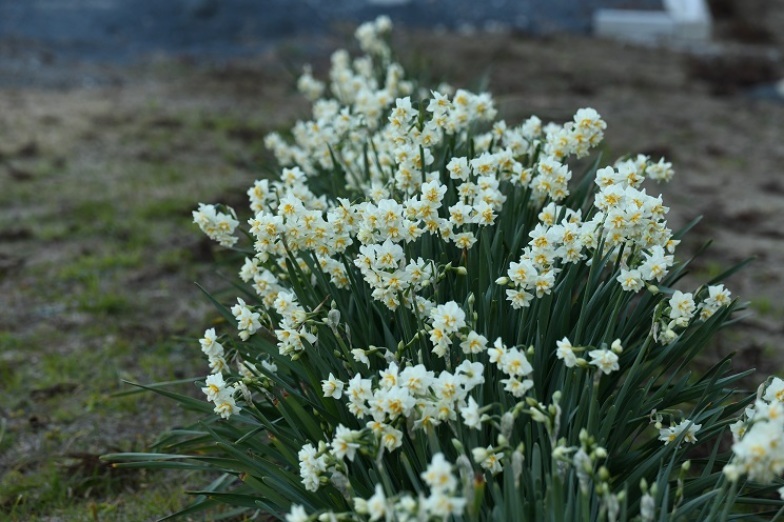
[
  {"x": 692, "y": 19},
  {"x": 682, "y": 21},
  {"x": 635, "y": 26},
  {"x": 388, "y": 3},
  {"x": 688, "y": 10}
]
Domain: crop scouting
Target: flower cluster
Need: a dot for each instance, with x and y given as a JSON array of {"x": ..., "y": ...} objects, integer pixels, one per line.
[
  {"x": 222, "y": 395},
  {"x": 218, "y": 226},
  {"x": 685, "y": 428},
  {"x": 758, "y": 450},
  {"x": 413, "y": 397},
  {"x": 442, "y": 501},
  {"x": 411, "y": 272},
  {"x": 604, "y": 358},
  {"x": 681, "y": 309}
]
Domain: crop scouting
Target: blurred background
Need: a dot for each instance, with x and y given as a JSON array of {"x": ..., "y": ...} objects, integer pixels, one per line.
[{"x": 117, "y": 118}]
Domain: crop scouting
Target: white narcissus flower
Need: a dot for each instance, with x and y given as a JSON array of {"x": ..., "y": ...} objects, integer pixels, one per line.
[
  {"x": 457, "y": 167},
  {"x": 247, "y": 320},
  {"x": 388, "y": 377},
  {"x": 215, "y": 386},
  {"x": 226, "y": 406},
  {"x": 471, "y": 415},
  {"x": 218, "y": 364},
  {"x": 297, "y": 513},
  {"x": 519, "y": 298},
  {"x": 488, "y": 459},
  {"x": 668, "y": 435},
  {"x": 470, "y": 374},
  {"x": 359, "y": 388},
  {"x": 775, "y": 391},
  {"x": 417, "y": 379},
  {"x": 718, "y": 296},
  {"x": 497, "y": 352},
  {"x": 438, "y": 475},
  {"x": 605, "y": 360},
  {"x": 360, "y": 355},
  {"x": 517, "y": 387},
  {"x": 565, "y": 352},
  {"x": 661, "y": 171},
  {"x": 344, "y": 444},
  {"x": 221, "y": 395},
  {"x": 647, "y": 508},
  {"x": 515, "y": 363},
  {"x": 474, "y": 343},
  {"x": 631, "y": 280},
  {"x": 391, "y": 438},
  {"x": 377, "y": 504},
  {"x": 311, "y": 465},
  {"x": 443, "y": 505},
  {"x": 210, "y": 345},
  {"x": 759, "y": 453},
  {"x": 332, "y": 387},
  {"x": 681, "y": 305},
  {"x": 217, "y": 225},
  {"x": 523, "y": 272},
  {"x": 448, "y": 317}
]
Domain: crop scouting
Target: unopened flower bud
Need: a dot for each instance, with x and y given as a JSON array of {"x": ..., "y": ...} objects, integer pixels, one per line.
[
  {"x": 732, "y": 472},
  {"x": 560, "y": 452},
  {"x": 244, "y": 391},
  {"x": 360, "y": 506},
  {"x": 333, "y": 317},
  {"x": 517, "y": 465},
  {"x": 507, "y": 423},
  {"x": 538, "y": 416},
  {"x": 502, "y": 280}
]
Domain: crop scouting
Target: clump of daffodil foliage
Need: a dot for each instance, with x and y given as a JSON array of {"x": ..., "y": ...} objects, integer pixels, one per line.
[{"x": 437, "y": 319}]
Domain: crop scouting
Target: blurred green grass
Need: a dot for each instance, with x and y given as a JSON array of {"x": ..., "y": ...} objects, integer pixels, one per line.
[{"x": 97, "y": 262}]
